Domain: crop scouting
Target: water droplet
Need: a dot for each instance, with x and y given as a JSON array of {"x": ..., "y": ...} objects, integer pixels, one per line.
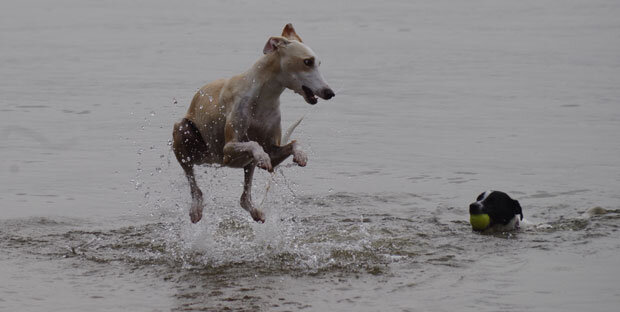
[
  {"x": 174, "y": 101},
  {"x": 152, "y": 113}
]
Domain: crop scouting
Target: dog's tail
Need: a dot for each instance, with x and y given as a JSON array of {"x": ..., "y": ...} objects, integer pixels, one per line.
[
  {"x": 289, "y": 131},
  {"x": 284, "y": 140}
]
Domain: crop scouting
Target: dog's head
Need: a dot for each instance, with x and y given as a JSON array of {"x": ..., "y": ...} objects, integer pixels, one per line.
[
  {"x": 498, "y": 206},
  {"x": 299, "y": 66}
]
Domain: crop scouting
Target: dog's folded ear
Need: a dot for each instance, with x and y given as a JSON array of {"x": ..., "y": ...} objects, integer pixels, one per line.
[
  {"x": 289, "y": 33},
  {"x": 518, "y": 210},
  {"x": 274, "y": 43}
]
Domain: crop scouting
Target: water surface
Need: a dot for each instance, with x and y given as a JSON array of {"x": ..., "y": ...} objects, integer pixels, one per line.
[{"x": 437, "y": 102}]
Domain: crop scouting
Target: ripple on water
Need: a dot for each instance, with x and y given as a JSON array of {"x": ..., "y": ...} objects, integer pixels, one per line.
[
  {"x": 229, "y": 247},
  {"x": 301, "y": 245}
]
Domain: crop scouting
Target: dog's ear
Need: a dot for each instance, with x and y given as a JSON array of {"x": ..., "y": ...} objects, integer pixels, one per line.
[
  {"x": 289, "y": 33},
  {"x": 518, "y": 208},
  {"x": 274, "y": 43}
]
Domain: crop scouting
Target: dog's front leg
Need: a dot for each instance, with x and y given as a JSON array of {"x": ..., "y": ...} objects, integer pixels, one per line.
[
  {"x": 241, "y": 154},
  {"x": 239, "y": 151},
  {"x": 279, "y": 153}
]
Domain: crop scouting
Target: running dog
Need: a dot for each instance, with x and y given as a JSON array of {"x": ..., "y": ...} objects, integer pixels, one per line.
[{"x": 235, "y": 122}]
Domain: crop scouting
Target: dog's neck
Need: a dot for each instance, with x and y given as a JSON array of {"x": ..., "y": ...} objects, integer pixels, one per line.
[{"x": 264, "y": 78}]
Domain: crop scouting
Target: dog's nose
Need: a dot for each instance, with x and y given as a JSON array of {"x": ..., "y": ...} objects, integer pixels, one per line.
[
  {"x": 328, "y": 93},
  {"x": 475, "y": 209}
]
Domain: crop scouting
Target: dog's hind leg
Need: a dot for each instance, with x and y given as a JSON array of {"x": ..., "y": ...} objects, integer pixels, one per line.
[
  {"x": 189, "y": 148},
  {"x": 246, "y": 197}
]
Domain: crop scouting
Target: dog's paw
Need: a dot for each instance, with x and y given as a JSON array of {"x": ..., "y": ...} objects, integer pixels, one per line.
[
  {"x": 257, "y": 215},
  {"x": 195, "y": 213},
  {"x": 300, "y": 157},
  {"x": 263, "y": 161}
]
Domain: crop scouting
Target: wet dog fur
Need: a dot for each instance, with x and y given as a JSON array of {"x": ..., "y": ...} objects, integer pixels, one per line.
[{"x": 235, "y": 122}]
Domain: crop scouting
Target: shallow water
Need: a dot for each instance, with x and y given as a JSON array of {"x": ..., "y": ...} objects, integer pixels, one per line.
[{"x": 437, "y": 102}]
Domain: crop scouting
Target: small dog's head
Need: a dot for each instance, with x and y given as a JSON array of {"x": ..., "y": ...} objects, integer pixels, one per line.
[
  {"x": 299, "y": 66},
  {"x": 500, "y": 209}
]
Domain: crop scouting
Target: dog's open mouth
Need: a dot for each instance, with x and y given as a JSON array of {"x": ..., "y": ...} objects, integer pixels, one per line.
[{"x": 309, "y": 95}]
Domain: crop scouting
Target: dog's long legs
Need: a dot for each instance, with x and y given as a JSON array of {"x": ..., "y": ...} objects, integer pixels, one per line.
[
  {"x": 242, "y": 154},
  {"x": 189, "y": 147},
  {"x": 277, "y": 154},
  {"x": 246, "y": 197},
  {"x": 280, "y": 153},
  {"x": 195, "y": 212}
]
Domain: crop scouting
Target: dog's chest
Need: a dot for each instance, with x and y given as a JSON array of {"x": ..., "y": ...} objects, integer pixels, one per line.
[
  {"x": 265, "y": 114},
  {"x": 264, "y": 124}
]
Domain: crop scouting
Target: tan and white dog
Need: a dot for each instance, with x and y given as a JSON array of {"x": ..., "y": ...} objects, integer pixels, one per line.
[{"x": 235, "y": 122}]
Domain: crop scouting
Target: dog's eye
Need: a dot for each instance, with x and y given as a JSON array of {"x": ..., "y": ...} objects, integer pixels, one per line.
[{"x": 309, "y": 61}]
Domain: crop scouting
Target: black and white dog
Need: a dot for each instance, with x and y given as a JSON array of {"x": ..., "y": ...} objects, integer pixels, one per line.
[{"x": 496, "y": 211}]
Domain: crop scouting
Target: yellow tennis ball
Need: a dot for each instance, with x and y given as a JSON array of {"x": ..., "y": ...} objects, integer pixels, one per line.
[{"x": 479, "y": 222}]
